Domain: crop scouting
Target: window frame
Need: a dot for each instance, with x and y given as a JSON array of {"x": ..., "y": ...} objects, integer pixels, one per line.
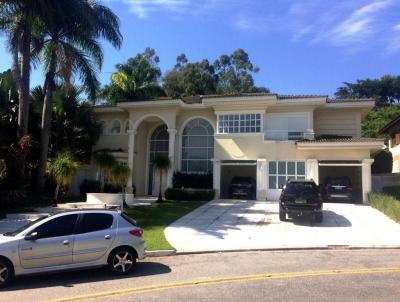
[
  {"x": 287, "y": 176},
  {"x": 239, "y": 122},
  {"x": 35, "y": 230},
  {"x": 209, "y": 148}
]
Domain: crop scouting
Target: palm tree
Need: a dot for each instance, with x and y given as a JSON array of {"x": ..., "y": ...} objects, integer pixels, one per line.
[
  {"x": 160, "y": 164},
  {"x": 70, "y": 48},
  {"x": 119, "y": 174},
  {"x": 63, "y": 168},
  {"x": 18, "y": 20},
  {"x": 105, "y": 161}
]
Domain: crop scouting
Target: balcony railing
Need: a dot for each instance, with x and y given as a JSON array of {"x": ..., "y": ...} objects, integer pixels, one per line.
[{"x": 284, "y": 135}]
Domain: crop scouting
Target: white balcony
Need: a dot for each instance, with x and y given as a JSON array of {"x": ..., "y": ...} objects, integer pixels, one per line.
[{"x": 288, "y": 135}]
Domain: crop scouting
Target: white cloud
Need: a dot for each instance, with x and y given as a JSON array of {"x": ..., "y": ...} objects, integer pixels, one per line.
[{"x": 142, "y": 8}]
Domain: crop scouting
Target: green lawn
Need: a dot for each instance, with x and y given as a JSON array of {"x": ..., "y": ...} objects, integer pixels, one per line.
[{"x": 154, "y": 219}]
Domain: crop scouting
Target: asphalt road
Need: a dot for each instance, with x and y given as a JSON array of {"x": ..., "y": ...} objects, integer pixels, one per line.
[{"x": 329, "y": 275}]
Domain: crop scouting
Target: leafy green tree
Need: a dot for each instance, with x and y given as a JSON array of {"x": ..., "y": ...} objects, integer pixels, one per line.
[
  {"x": 386, "y": 90},
  {"x": 70, "y": 48},
  {"x": 229, "y": 74},
  {"x": 63, "y": 168},
  {"x": 234, "y": 73},
  {"x": 161, "y": 163},
  {"x": 137, "y": 79},
  {"x": 378, "y": 118},
  {"x": 74, "y": 126},
  {"x": 119, "y": 174}
]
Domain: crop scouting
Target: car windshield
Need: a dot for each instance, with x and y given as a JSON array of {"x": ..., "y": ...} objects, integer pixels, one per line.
[
  {"x": 340, "y": 181},
  {"x": 24, "y": 227},
  {"x": 297, "y": 187}
]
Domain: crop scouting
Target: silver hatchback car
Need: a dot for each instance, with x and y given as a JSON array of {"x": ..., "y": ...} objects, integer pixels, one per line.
[{"x": 72, "y": 240}]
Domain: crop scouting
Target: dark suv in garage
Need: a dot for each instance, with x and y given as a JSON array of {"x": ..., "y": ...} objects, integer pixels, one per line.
[
  {"x": 300, "y": 197},
  {"x": 242, "y": 187},
  {"x": 338, "y": 188}
]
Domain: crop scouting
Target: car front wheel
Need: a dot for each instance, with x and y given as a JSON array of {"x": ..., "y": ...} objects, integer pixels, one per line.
[
  {"x": 122, "y": 261},
  {"x": 6, "y": 273}
]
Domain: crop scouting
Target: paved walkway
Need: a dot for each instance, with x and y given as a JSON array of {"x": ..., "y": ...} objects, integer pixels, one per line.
[{"x": 241, "y": 225}]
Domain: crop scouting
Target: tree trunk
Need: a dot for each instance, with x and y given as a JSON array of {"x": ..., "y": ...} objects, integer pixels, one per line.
[
  {"x": 55, "y": 197},
  {"x": 24, "y": 90},
  {"x": 45, "y": 129},
  {"x": 160, "y": 199}
]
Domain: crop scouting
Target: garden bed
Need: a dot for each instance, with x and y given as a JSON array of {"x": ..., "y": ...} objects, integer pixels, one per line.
[{"x": 387, "y": 204}]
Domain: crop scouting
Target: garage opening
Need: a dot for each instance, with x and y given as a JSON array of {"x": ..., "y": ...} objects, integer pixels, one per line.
[
  {"x": 234, "y": 177},
  {"x": 341, "y": 181}
]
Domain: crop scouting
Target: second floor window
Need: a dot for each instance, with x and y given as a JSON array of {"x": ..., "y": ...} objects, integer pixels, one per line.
[{"x": 240, "y": 123}]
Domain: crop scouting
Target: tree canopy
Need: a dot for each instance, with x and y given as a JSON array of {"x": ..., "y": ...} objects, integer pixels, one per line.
[
  {"x": 378, "y": 118},
  {"x": 137, "y": 79},
  {"x": 228, "y": 74},
  {"x": 386, "y": 90}
]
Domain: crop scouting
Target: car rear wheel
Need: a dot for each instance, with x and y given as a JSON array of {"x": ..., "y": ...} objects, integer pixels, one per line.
[
  {"x": 318, "y": 217},
  {"x": 282, "y": 214},
  {"x": 6, "y": 273},
  {"x": 122, "y": 261}
]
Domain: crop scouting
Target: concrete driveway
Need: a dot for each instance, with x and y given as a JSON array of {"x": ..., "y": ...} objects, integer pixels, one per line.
[{"x": 242, "y": 225}]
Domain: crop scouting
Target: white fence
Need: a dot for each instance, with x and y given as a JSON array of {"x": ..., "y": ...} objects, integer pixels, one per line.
[{"x": 379, "y": 181}]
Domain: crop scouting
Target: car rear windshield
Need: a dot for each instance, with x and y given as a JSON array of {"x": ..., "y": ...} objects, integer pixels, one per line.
[
  {"x": 339, "y": 181},
  {"x": 130, "y": 220},
  {"x": 297, "y": 187}
]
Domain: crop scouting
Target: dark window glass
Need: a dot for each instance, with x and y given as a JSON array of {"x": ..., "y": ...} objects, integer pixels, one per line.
[
  {"x": 95, "y": 222},
  {"x": 57, "y": 227}
]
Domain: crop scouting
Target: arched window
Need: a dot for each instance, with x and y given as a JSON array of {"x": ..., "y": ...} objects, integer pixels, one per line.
[
  {"x": 103, "y": 125},
  {"x": 197, "y": 146},
  {"x": 115, "y": 127},
  {"x": 159, "y": 143}
]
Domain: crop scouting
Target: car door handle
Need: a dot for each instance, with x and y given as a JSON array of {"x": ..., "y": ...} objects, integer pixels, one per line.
[
  {"x": 107, "y": 237},
  {"x": 66, "y": 242}
]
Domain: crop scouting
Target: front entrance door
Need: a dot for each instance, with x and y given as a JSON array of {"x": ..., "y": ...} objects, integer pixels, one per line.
[{"x": 159, "y": 143}]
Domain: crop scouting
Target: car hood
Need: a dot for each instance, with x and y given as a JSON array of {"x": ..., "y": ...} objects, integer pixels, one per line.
[{"x": 6, "y": 241}]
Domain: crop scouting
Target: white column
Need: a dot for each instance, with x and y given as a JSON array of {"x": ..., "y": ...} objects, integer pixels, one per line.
[
  {"x": 217, "y": 177},
  {"x": 171, "y": 155},
  {"x": 312, "y": 170},
  {"x": 131, "y": 156},
  {"x": 261, "y": 183},
  {"x": 366, "y": 178}
]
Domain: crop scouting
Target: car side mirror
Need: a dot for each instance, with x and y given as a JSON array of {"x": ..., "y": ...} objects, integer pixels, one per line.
[{"x": 31, "y": 237}]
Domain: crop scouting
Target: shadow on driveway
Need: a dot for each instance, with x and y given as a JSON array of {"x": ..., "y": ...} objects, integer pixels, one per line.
[
  {"x": 331, "y": 220},
  {"x": 72, "y": 278}
]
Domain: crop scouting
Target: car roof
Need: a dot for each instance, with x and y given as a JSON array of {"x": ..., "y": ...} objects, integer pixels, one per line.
[{"x": 86, "y": 211}]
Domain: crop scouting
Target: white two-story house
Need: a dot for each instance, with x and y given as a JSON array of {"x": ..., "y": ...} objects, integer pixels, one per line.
[{"x": 267, "y": 136}]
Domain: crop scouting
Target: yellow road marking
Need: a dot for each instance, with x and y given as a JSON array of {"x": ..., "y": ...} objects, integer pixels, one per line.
[{"x": 227, "y": 279}]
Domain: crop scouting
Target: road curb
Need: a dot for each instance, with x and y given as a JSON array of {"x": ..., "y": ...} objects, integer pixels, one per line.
[
  {"x": 160, "y": 253},
  {"x": 163, "y": 253}
]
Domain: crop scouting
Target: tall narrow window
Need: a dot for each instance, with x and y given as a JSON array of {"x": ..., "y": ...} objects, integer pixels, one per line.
[
  {"x": 197, "y": 146},
  {"x": 159, "y": 142}
]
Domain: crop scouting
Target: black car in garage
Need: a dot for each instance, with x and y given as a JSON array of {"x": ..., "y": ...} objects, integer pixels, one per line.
[
  {"x": 338, "y": 189},
  {"x": 242, "y": 187}
]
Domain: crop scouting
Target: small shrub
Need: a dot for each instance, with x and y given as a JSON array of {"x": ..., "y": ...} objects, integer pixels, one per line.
[
  {"x": 392, "y": 191},
  {"x": 94, "y": 186},
  {"x": 189, "y": 194},
  {"x": 193, "y": 180},
  {"x": 387, "y": 204}
]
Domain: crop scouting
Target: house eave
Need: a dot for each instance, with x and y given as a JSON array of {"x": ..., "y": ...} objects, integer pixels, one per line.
[{"x": 378, "y": 145}]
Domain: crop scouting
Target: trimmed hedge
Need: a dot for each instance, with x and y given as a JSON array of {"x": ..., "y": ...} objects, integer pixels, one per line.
[
  {"x": 93, "y": 186},
  {"x": 192, "y": 180},
  {"x": 189, "y": 194},
  {"x": 387, "y": 204},
  {"x": 392, "y": 191}
]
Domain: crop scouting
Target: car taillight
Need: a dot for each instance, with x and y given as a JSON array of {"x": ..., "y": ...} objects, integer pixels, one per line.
[{"x": 136, "y": 232}]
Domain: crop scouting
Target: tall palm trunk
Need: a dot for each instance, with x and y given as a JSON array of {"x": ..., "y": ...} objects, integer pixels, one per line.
[
  {"x": 23, "y": 110},
  {"x": 160, "y": 199},
  {"x": 45, "y": 128}
]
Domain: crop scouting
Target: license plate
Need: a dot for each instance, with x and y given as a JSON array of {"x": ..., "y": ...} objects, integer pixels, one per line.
[{"x": 300, "y": 200}]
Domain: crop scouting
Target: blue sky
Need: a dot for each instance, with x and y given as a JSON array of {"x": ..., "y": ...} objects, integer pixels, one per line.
[{"x": 301, "y": 46}]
